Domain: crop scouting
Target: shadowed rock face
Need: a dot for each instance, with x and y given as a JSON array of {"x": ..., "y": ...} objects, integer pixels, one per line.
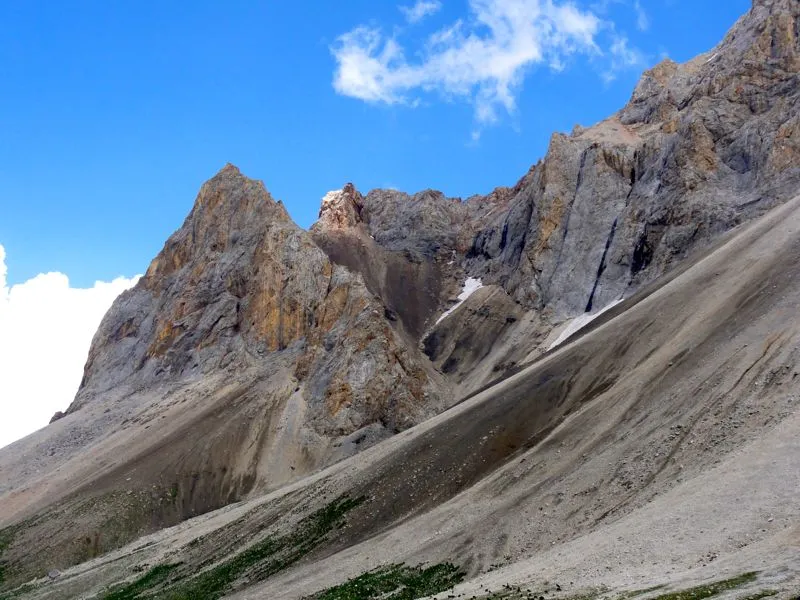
[
  {"x": 407, "y": 248},
  {"x": 253, "y": 353},
  {"x": 699, "y": 148}
]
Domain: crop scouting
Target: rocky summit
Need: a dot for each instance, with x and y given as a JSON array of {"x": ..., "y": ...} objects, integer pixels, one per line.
[{"x": 581, "y": 386}]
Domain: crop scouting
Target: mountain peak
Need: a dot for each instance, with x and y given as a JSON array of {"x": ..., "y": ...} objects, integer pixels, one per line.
[
  {"x": 229, "y": 168},
  {"x": 231, "y": 186},
  {"x": 341, "y": 208},
  {"x": 230, "y": 210}
]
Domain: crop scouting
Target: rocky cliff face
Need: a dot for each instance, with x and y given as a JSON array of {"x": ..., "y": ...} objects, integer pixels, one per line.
[
  {"x": 253, "y": 353},
  {"x": 353, "y": 307},
  {"x": 699, "y": 148},
  {"x": 239, "y": 282},
  {"x": 242, "y": 360},
  {"x": 409, "y": 249}
]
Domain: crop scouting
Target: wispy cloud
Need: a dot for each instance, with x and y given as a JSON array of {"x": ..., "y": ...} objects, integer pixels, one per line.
[
  {"x": 642, "y": 20},
  {"x": 482, "y": 58},
  {"x": 623, "y": 57},
  {"x": 420, "y": 10}
]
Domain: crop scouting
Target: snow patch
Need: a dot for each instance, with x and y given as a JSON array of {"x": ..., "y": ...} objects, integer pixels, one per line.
[
  {"x": 471, "y": 285},
  {"x": 579, "y": 323}
]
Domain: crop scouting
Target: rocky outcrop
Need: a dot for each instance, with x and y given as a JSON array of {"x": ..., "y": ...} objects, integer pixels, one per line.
[
  {"x": 242, "y": 360},
  {"x": 240, "y": 281},
  {"x": 407, "y": 248},
  {"x": 699, "y": 148},
  {"x": 347, "y": 314}
]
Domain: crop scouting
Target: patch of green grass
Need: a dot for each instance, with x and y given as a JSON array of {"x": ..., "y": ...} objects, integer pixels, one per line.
[
  {"x": 257, "y": 563},
  {"x": 152, "y": 578},
  {"x": 6, "y": 537},
  {"x": 637, "y": 593},
  {"x": 710, "y": 589},
  {"x": 18, "y": 592},
  {"x": 268, "y": 557},
  {"x": 396, "y": 582}
]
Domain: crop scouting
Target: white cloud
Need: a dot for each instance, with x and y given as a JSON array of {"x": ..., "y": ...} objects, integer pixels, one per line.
[
  {"x": 420, "y": 10},
  {"x": 482, "y": 59},
  {"x": 46, "y": 328}
]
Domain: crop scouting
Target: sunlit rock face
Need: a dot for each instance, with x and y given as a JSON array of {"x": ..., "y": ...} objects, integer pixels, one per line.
[{"x": 240, "y": 291}]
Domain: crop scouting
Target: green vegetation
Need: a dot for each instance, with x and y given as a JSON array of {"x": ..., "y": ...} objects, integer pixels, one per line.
[
  {"x": 636, "y": 593},
  {"x": 710, "y": 589},
  {"x": 6, "y": 537},
  {"x": 18, "y": 592},
  {"x": 396, "y": 582},
  {"x": 152, "y": 578},
  {"x": 257, "y": 563},
  {"x": 270, "y": 556}
]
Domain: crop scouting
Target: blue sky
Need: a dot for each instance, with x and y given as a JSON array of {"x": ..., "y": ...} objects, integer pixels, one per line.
[{"x": 113, "y": 113}]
